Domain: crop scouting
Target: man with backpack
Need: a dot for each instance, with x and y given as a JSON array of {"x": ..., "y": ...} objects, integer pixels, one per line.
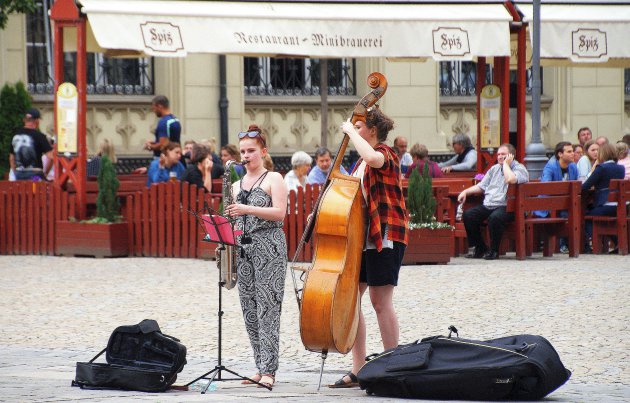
[{"x": 28, "y": 146}]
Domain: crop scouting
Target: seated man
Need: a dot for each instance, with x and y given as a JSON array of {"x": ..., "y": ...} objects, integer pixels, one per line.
[
  {"x": 560, "y": 168},
  {"x": 323, "y": 163},
  {"x": 494, "y": 185},
  {"x": 400, "y": 148},
  {"x": 465, "y": 158}
]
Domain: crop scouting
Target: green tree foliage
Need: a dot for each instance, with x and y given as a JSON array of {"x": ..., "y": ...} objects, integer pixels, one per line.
[
  {"x": 14, "y": 6},
  {"x": 14, "y": 101},
  {"x": 107, "y": 205},
  {"x": 421, "y": 202}
]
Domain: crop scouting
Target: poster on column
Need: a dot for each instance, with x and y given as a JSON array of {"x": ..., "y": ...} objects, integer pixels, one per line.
[
  {"x": 67, "y": 112},
  {"x": 490, "y": 116}
]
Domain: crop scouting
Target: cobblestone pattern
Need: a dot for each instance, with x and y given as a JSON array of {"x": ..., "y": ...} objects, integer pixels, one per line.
[{"x": 56, "y": 311}]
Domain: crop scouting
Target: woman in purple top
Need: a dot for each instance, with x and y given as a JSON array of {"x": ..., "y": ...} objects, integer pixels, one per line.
[{"x": 420, "y": 155}]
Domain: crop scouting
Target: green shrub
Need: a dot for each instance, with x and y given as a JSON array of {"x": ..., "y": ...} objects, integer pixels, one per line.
[
  {"x": 107, "y": 205},
  {"x": 14, "y": 101},
  {"x": 421, "y": 202}
]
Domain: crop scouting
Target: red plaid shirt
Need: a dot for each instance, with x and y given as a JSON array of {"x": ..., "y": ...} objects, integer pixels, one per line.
[{"x": 386, "y": 204}]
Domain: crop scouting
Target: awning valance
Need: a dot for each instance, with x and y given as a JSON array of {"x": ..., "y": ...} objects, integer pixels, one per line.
[
  {"x": 580, "y": 33},
  {"x": 175, "y": 28}
]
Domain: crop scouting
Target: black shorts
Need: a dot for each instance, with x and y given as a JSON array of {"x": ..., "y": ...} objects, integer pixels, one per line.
[{"x": 381, "y": 268}]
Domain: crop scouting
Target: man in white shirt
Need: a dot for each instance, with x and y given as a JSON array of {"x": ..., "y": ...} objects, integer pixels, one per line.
[
  {"x": 400, "y": 147},
  {"x": 494, "y": 185}
]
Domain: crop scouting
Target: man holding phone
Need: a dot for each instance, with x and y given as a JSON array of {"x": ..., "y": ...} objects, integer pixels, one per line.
[{"x": 494, "y": 186}]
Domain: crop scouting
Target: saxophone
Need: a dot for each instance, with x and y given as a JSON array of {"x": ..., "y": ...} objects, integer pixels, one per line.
[{"x": 226, "y": 254}]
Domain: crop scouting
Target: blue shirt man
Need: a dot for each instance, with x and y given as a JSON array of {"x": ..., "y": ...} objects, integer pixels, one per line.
[
  {"x": 168, "y": 127},
  {"x": 323, "y": 163},
  {"x": 560, "y": 168}
]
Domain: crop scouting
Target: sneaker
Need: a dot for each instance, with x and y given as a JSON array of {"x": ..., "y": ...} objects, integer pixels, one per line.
[{"x": 564, "y": 249}]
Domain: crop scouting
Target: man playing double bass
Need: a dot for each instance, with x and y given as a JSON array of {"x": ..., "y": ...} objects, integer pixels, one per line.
[{"x": 379, "y": 171}]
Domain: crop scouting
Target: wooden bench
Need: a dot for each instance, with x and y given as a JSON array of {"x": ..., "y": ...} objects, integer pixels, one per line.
[
  {"x": 523, "y": 200},
  {"x": 617, "y": 226},
  {"x": 553, "y": 197}
]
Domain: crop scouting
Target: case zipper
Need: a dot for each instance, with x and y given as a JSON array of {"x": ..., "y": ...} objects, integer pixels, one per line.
[{"x": 483, "y": 345}]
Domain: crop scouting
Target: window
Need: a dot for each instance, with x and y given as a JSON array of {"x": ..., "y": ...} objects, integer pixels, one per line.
[
  {"x": 460, "y": 78},
  {"x": 626, "y": 81},
  {"x": 105, "y": 75},
  {"x": 283, "y": 76}
]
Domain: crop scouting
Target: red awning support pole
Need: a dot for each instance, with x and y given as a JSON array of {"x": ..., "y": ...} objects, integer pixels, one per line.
[
  {"x": 64, "y": 14},
  {"x": 520, "y": 29},
  {"x": 481, "y": 81}
]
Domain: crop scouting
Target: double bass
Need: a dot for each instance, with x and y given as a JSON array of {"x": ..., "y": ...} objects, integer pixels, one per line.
[{"x": 330, "y": 303}]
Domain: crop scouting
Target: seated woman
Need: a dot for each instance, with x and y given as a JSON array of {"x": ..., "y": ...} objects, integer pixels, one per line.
[
  {"x": 605, "y": 170},
  {"x": 229, "y": 152},
  {"x": 420, "y": 156},
  {"x": 587, "y": 163},
  {"x": 465, "y": 158},
  {"x": 296, "y": 178},
  {"x": 168, "y": 166},
  {"x": 94, "y": 163},
  {"x": 199, "y": 172},
  {"x": 623, "y": 158}
]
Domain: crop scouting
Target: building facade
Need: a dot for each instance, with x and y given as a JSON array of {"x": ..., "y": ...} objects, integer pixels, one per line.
[{"x": 429, "y": 101}]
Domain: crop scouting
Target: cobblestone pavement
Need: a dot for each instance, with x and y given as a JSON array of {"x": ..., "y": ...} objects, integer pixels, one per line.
[{"x": 56, "y": 311}]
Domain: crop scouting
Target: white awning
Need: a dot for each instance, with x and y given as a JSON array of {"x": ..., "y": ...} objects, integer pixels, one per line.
[
  {"x": 174, "y": 28},
  {"x": 582, "y": 33}
]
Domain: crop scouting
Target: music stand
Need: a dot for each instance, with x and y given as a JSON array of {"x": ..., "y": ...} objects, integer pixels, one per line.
[{"x": 218, "y": 229}]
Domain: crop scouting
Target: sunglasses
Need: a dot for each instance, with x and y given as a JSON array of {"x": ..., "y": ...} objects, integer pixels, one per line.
[{"x": 251, "y": 135}]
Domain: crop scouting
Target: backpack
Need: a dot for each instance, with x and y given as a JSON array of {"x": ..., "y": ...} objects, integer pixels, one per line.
[{"x": 139, "y": 357}]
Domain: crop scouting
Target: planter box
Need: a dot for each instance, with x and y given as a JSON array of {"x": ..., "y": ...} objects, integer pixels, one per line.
[
  {"x": 429, "y": 246},
  {"x": 85, "y": 239}
]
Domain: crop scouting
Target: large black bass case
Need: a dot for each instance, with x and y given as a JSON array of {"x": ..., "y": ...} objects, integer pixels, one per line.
[
  {"x": 139, "y": 357},
  {"x": 522, "y": 367}
]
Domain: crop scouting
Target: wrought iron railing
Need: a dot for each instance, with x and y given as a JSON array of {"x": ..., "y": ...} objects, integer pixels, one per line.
[
  {"x": 460, "y": 78},
  {"x": 282, "y": 76},
  {"x": 133, "y": 76}
]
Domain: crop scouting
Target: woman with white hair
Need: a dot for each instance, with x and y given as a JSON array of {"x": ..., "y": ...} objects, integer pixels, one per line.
[{"x": 301, "y": 163}]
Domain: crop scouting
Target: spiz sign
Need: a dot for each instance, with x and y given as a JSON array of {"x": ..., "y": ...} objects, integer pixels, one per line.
[
  {"x": 450, "y": 42},
  {"x": 589, "y": 44},
  {"x": 162, "y": 37}
]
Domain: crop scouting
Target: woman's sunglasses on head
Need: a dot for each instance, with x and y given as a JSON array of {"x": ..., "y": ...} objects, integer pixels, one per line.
[{"x": 251, "y": 135}]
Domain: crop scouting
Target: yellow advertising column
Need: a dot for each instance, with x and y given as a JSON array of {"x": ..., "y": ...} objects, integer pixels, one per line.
[
  {"x": 490, "y": 117},
  {"x": 67, "y": 112}
]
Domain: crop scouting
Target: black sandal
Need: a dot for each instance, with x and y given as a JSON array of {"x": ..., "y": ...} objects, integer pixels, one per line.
[{"x": 340, "y": 383}]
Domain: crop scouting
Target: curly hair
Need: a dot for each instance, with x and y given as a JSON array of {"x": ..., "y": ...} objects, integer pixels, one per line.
[{"x": 383, "y": 123}]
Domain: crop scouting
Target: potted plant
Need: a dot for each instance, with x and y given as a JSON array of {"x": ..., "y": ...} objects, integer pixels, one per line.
[
  {"x": 105, "y": 235},
  {"x": 429, "y": 240}
]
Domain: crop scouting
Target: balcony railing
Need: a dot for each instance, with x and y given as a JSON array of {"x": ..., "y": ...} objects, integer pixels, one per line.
[{"x": 294, "y": 77}]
